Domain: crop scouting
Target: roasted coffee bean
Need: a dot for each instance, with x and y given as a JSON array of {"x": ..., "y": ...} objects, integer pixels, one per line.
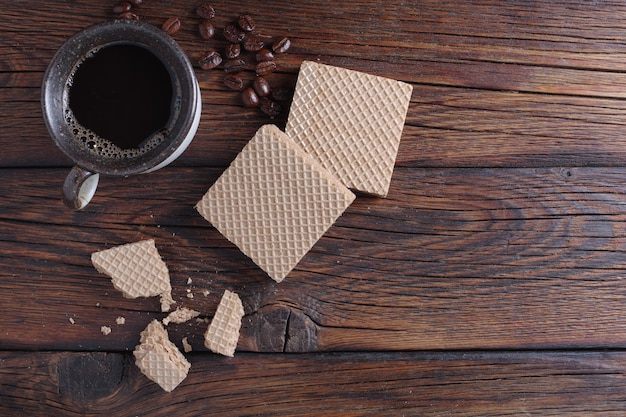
[
  {"x": 234, "y": 82},
  {"x": 235, "y": 65},
  {"x": 171, "y": 25},
  {"x": 266, "y": 67},
  {"x": 233, "y": 50},
  {"x": 210, "y": 59},
  {"x": 253, "y": 43},
  {"x": 122, "y": 7},
  {"x": 246, "y": 22},
  {"x": 128, "y": 16},
  {"x": 281, "y": 93},
  {"x": 281, "y": 45},
  {"x": 261, "y": 87},
  {"x": 205, "y": 11},
  {"x": 249, "y": 98},
  {"x": 206, "y": 30},
  {"x": 264, "y": 55},
  {"x": 233, "y": 34},
  {"x": 269, "y": 107}
]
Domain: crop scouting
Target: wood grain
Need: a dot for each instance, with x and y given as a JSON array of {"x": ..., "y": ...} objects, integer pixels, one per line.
[
  {"x": 489, "y": 282},
  {"x": 452, "y": 259},
  {"x": 555, "y": 70},
  {"x": 347, "y": 384}
]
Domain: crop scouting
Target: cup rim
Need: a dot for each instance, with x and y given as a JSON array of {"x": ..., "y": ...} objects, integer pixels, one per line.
[{"x": 74, "y": 50}]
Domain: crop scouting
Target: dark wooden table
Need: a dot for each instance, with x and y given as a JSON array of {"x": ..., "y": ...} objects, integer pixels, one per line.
[{"x": 491, "y": 281}]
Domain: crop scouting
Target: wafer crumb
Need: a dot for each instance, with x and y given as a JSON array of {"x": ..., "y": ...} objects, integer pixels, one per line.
[
  {"x": 186, "y": 346},
  {"x": 180, "y": 315},
  {"x": 106, "y": 330},
  {"x": 120, "y": 320},
  {"x": 71, "y": 320}
]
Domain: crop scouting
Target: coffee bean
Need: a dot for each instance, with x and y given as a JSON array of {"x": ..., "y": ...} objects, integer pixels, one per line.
[
  {"x": 281, "y": 45},
  {"x": 122, "y": 7},
  {"x": 171, "y": 25},
  {"x": 269, "y": 107},
  {"x": 206, "y": 30},
  {"x": 205, "y": 11},
  {"x": 249, "y": 98},
  {"x": 264, "y": 55},
  {"x": 261, "y": 87},
  {"x": 136, "y": 3},
  {"x": 210, "y": 59},
  {"x": 266, "y": 67},
  {"x": 233, "y": 50},
  {"x": 246, "y": 22},
  {"x": 234, "y": 65},
  {"x": 253, "y": 43},
  {"x": 234, "y": 82},
  {"x": 128, "y": 16},
  {"x": 233, "y": 34}
]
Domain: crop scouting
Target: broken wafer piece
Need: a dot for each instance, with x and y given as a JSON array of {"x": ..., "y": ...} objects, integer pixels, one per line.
[
  {"x": 274, "y": 202},
  {"x": 223, "y": 333},
  {"x": 159, "y": 359},
  {"x": 137, "y": 270},
  {"x": 351, "y": 122}
]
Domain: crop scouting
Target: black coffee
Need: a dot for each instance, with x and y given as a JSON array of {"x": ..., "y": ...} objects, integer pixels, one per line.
[{"x": 123, "y": 94}]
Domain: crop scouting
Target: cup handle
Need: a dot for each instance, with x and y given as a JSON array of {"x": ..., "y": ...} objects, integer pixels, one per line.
[{"x": 79, "y": 187}]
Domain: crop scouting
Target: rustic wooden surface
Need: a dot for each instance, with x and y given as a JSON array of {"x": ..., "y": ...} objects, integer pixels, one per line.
[{"x": 489, "y": 282}]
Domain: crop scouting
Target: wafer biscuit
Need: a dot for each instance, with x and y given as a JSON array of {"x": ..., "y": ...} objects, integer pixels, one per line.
[
  {"x": 274, "y": 202},
  {"x": 137, "y": 270},
  {"x": 223, "y": 332},
  {"x": 159, "y": 359},
  {"x": 351, "y": 122}
]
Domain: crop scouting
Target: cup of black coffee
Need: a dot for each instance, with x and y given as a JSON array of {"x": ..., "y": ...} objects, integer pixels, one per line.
[{"x": 119, "y": 98}]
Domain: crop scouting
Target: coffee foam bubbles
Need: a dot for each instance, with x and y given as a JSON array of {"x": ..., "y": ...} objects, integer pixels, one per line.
[{"x": 105, "y": 148}]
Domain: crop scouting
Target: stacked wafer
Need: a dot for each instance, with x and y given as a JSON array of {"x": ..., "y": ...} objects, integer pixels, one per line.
[
  {"x": 284, "y": 190},
  {"x": 159, "y": 359}
]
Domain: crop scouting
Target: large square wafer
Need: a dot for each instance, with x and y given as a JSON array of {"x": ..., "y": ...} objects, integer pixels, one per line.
[
  {"x": 159, "y": 359},
  {"x": 137, "y": 270},
  {"x": 223, "y": 333},
  {"x": 274, "y": 202},
  {"x": 351, "y": 122}
]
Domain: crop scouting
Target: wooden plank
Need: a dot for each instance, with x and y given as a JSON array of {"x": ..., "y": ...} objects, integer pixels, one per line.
[
  {"x": 445, "y": 127},
  {"x": 505, "y": 84},
  {"x": 348, "y": 384},
  {"x": 452, "y": 259}
]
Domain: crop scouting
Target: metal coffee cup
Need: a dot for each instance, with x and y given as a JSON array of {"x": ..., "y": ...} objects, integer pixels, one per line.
[{"x": 159, "y": 149}]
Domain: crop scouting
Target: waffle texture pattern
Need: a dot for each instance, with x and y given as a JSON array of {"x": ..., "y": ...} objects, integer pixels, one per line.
[
  {"x": 351, "y": 122},
  {"x": 274, "y": 202},
  {"x": 159, "y": 359},
  {"x": 137, "y": 270},
  {"x": 222, "y": 334}
]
